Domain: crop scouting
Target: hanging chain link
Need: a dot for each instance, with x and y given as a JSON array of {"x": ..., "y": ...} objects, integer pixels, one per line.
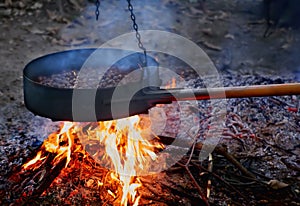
[
  {"x": 97, "y": 12},
  {"x": 135, "y": 27}
]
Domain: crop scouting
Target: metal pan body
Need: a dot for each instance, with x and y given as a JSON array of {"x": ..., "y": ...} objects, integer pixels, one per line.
[{"x": 58, "y": 103}]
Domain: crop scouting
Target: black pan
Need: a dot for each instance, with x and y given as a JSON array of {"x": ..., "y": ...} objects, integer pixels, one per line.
[
  {"x": 58, "y": 104},
  {"x": 85, "y": 105}
]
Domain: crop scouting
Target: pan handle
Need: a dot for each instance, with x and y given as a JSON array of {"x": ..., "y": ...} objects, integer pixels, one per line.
[{"x": 177, "y": 94}]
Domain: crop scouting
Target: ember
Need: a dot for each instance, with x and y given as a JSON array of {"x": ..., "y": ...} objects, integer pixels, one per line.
[{"x": 127, "y": 151}]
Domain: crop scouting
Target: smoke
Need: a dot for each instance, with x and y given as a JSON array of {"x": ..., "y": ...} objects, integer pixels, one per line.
[{"x": 115, "y": 20}]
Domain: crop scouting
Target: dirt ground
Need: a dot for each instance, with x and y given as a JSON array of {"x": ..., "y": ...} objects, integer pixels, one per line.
[{"x": 229, "y": 31}]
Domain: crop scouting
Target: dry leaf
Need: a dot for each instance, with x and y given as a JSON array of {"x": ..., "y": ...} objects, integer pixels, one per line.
[
  {"x": 195, "y": 11},
  {"x": 79, "y": 42},
  {"x": 36, "y": 5},
  {"x": 275, "y": 184},
  {"x": 57, "y": 17},
  {"x": 75, "y": 4},
  {"x": 207, "y": 31},
  {"x": 229, "y": 36},
  {"x": 6, "y": 12},
  {"x": 52, "y": 15},
  {"x": 36, "y": 31},
  {"x": 286, "y": 46},
  {"x": 52, "y": 30},
  {"x": 8, "y": 2},
  {"x": 26, "y": 23},
  {"x": 212, "y": 46}
]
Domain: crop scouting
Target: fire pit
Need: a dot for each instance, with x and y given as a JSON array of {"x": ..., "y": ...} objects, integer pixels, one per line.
[
  {"x": 122, "y": 149},
  {"x": 244, "y": 165}
]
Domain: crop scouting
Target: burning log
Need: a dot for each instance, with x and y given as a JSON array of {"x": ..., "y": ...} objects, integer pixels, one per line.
[
  {"x": 33, "y": 187},
  {"x": 126, "y": 151},
  {"x": 64, "y": 148},
  {"x": 45, "y": 167},
  {"x": 89, "y": 177}
]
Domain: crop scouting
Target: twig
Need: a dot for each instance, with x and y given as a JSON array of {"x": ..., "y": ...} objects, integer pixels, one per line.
[
  {"x": 219, "y": 178},
  {"x": 237, "y": 183},
  {"x": 203, "y": 197},
  {"x": 256, "y": 22},
  {"x": 281, "y": 102},
  {"x": 190, "y": 157},
  {"x": 186, "y": 167},
  {"x": 158, "y": 198},
  {"x": 210, "y": 166},
  {"x": 182, "y": 192},
  {"x": 222, "y": 151},
  {"x": 236, "y": 163}
]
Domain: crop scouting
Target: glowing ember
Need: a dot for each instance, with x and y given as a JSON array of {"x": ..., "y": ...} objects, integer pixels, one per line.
[{"x": 128, "y": 151}]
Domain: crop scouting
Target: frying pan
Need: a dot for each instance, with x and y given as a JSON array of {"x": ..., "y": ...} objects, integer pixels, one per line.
[{"x": 58, "y": 103}]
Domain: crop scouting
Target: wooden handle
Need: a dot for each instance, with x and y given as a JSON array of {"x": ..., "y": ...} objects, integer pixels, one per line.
[{"x": 236, "y": 92}]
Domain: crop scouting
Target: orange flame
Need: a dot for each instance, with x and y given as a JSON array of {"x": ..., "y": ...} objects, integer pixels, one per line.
[
  {"x": 34, "y": 160},
  {"x": 128, "y": 151},
  {"x": 126, "y": 145},
  {"x": 171, "y": 84}
]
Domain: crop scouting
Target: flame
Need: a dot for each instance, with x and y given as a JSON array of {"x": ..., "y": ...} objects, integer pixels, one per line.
[
  {"x": 34, "y": 160},
  {"x": 171, "y": 84},
  {"x": 127, "y": 150}
]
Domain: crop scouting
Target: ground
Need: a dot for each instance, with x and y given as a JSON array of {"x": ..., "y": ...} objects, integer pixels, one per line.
[{"x": 229, "y": 31}]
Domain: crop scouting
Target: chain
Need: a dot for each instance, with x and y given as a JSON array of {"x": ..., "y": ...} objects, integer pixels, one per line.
[
  {"x": 135, "y": 27},
  {"x": 97, "y": 12}
]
